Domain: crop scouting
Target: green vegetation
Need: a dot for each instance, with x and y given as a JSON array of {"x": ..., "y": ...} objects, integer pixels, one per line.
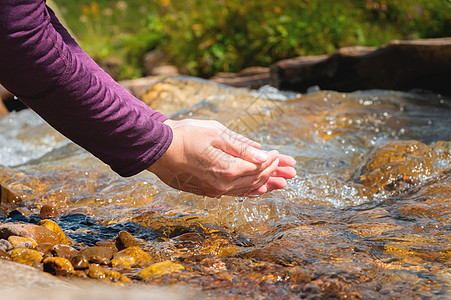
[{"x": 203, "y": 37}]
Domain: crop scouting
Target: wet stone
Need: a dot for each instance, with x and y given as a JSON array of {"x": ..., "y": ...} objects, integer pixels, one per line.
[
  {"x": 124, "y": 239},
  {"x": 99, "y": 251},
  {"x": 54, "y": 227},
  {"x": 218, "y": 247},
  {"x": 80, "y": 262},
  {"x": 38, "y": 233},
  {"x": 161, "y": 268},
  {"x": 26, "y": 256},
  {"x": 21, "y": 242},
  {"x": 131, "y": 256},
  {"x": 64, "y": 251},
  {"x": 58, "y": 266},
  {"x": 48, "y": 211}
]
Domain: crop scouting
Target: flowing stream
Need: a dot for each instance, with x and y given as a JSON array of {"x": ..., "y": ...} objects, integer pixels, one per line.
[{"x": 367, "y": 216}]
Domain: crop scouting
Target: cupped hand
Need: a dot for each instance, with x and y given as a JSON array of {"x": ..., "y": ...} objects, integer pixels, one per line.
[{"x": 206, "y": 158}]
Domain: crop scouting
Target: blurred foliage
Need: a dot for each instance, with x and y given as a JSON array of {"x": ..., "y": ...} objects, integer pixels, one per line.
[{"x": 203, "y": 37}]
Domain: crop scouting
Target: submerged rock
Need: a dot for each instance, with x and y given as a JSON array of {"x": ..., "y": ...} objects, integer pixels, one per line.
[
  {"x": 130, "y": 256},
  {"x": 161, "y": 268}
]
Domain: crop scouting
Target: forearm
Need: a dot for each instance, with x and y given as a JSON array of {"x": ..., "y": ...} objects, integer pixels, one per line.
[{"x": 45, "y": 68}]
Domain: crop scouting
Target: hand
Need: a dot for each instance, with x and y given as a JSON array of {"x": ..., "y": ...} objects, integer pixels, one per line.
[{"x": 206, "y": 158}]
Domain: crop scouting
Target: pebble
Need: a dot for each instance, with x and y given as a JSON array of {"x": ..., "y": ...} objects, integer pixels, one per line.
[
  {"x": 79, "y": 262},
  {"x": 54, "y": 227},
  {"x": 161, "y": 268},
  {"x": 5, "y": 245},
  {"x": 130, "y": 256},
  {"x": 20, "y": 241},
  {"x": 38, "y": 233},
  {"x": 48, "y": 211},
  {"x": 58, "y": 266},
  {"x": 64, "y": 251},
  {"x": 26, "y": 256}
]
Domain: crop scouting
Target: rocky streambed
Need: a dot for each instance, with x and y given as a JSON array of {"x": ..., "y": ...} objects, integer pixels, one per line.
[{"x": 367, "y": 216}]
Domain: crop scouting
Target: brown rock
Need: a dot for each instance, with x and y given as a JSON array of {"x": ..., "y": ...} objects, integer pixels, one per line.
[
  {"x": 252, "y": 77},
  {"x": 53, "y": 226},
  {"x": 399, "y": 65},
  {"x": 64, "y": 251},
  {"x": 38, "y": 233},
  {"x": 58, "y": 266},
  {"x": 48, "y": 211},
  {"x": 26, "y": 256},
  {"x": 79, "y": 262},
  {"x": 99, "y": 251},
  {"x": 124, "y": 240}
]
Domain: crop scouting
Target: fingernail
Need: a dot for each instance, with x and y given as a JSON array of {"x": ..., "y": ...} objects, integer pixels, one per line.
[{"x": 260, "y": 156}]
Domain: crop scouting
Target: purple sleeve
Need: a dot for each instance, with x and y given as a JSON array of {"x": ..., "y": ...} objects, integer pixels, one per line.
[{"x": 42, "y": 65}]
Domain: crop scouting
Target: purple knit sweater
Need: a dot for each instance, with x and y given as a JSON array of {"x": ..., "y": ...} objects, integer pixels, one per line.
[{"x": 44, "y": 67}]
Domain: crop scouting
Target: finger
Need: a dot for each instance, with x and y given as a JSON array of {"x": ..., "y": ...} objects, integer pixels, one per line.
[
  {"x": 284, "y": 172},
  {"x": 241, "y": 177},
  {"x": 273, "y": 183},
  {"x": 240, "y": 149},
  {"x": 286, "y": 161},
  {"x": 243, "y": 139},
  {"x": 251, "y": 182}
]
